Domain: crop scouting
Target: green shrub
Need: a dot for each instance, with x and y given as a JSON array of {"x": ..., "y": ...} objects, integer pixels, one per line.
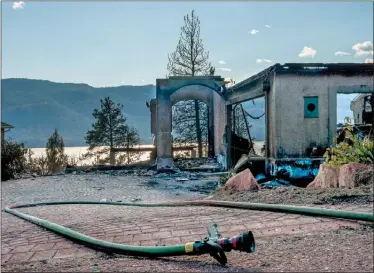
[
  {"x": 360, "y": 151},
  {"x": 13, "y": 159}
]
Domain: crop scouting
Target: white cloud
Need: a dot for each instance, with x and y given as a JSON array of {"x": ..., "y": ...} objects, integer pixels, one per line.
[
  {"x": 143, "y": 81},
  {"x": 260, "y": 61},
  {"x": 363, "y": 49},
  {"x": 222, "y": 62},
  {"x": 369, "y": 61},
  {"x": 122, "y": 82},
  {"x": 225, "y": 69},
  {"x": 18, "y": 5},
  {"x": 307, "y": 52},
  {"x": 253, "y": 31},
  {"x": 268, "y": 26},
  {"x": 341, "y": 53}
]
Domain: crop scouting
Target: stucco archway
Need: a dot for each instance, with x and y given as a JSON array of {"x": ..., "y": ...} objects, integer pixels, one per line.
[{"x": 170, "y": 91}]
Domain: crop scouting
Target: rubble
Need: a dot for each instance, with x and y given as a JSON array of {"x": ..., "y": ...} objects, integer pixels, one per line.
[{"x": 243, "y": 181}]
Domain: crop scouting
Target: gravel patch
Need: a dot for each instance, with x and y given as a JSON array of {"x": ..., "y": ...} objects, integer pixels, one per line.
[{"x": 92, "y": 187}]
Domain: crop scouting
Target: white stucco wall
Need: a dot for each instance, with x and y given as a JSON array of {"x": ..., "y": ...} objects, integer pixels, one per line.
[{"x": 288, "y": 129}]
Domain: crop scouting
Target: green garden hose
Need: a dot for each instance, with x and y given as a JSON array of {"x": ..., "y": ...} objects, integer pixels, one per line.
[{"x": 190, "y": 248}]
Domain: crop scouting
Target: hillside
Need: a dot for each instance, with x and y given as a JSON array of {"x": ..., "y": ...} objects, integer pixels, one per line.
[{"x": 36, "y": 107}]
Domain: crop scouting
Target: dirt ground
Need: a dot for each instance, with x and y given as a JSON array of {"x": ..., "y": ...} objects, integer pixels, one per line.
[{"x": 301, "y": 196}]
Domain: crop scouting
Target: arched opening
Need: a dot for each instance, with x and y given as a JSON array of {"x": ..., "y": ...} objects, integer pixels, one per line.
[{"x": 187, "y": 127}]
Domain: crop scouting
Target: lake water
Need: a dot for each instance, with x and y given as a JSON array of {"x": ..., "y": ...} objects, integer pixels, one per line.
[{"x": 78, "y": 151}]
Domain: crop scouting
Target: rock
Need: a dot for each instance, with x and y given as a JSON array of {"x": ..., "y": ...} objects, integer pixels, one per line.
[
  {"x": 355, "y": 174},
  {"x": 348, "y": 176},
  {"x": 313, "y": 184},
  {"x": 328, "y": 177},
  {"x": 243, "y": 181}
]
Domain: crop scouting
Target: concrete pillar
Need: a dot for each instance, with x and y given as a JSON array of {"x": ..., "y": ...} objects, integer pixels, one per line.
[
  {"x": 163, "y": 136},
  {"x": 211, "y": 125},
  {"x": 219, "y": 122}
]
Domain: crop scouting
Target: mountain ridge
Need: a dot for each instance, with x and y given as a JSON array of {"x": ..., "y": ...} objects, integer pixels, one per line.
[{"x": 36, "y": 107}]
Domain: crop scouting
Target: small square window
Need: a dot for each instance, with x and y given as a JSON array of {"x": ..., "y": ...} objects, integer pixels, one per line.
[{"x": 310, "y": 107}]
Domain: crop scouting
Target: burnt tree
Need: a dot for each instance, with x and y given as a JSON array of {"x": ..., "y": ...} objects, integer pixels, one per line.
[{"x": 190, "y": 59}]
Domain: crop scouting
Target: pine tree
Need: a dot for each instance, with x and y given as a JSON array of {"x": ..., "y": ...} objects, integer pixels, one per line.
[
  {"x": 110, "y": 130},
  {"x": 56, "y": 159},
  {"x": 190, "y": 59}
]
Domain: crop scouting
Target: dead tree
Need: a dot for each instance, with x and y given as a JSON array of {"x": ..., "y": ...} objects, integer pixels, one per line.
[{"x": 190, "y": 59}]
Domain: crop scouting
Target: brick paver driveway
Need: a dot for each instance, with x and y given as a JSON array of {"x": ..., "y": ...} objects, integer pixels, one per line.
[{"x": 24, "y": 243}]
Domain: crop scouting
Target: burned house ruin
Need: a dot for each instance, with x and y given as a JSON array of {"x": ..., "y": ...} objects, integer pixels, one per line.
[{"x": 300, "y": 110}]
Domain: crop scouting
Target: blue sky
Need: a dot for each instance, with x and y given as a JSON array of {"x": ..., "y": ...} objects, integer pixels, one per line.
[{"x": 109, "y": 44}]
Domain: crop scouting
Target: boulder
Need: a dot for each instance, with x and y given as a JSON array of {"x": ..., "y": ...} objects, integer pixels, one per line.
[
  {"x": 349, "y": 175},
  {"x": 328, "y": 177},
  {"x": 355, "y": 174},
  {"x": 243, "y": 181}
]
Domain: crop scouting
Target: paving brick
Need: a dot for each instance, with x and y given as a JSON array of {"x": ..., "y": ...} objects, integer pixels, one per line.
[
  {"x": 150, "y": 243},
  {"x": 253, "y": 225},
  {"x": 272, "y": 223},
  {"x": 237, "y": 228},
  {"x": 5, "y": 250},
  {"x": 41, "y": 247},
  {"x": 307, "y": 220},
  {"x": 294, "y": 221},
  {"x": 64, "y": 253},
  {"x": 123, "y": 239},
  {"x": 169, "y": 228},
  {"x": 132, "y": 232},
  {"x": 5, "y": 257},
  {"x": 42, "y": 241},
  {"x": 171, "y": 241},
  {"x": 63, "y": 245},
  {"x": 161, "y": 234},
  {"x": 148, "y": 230},
  {"x": 142, "y": 237},
  {"x": 199, "y": 231},
  {"x": 180, "y": 233},
  {"x": 20, "y": 257},
  {"x": 15, "y": 243},
  {"x": 24, "y": 248},
  {"x": 43, "y": 255},
  {"x": 190, "y": 238},
  {"x": 108, "y": 238}
]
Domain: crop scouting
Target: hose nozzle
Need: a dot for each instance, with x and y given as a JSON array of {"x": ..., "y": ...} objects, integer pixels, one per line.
[{"x": 244, "y": 242}]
